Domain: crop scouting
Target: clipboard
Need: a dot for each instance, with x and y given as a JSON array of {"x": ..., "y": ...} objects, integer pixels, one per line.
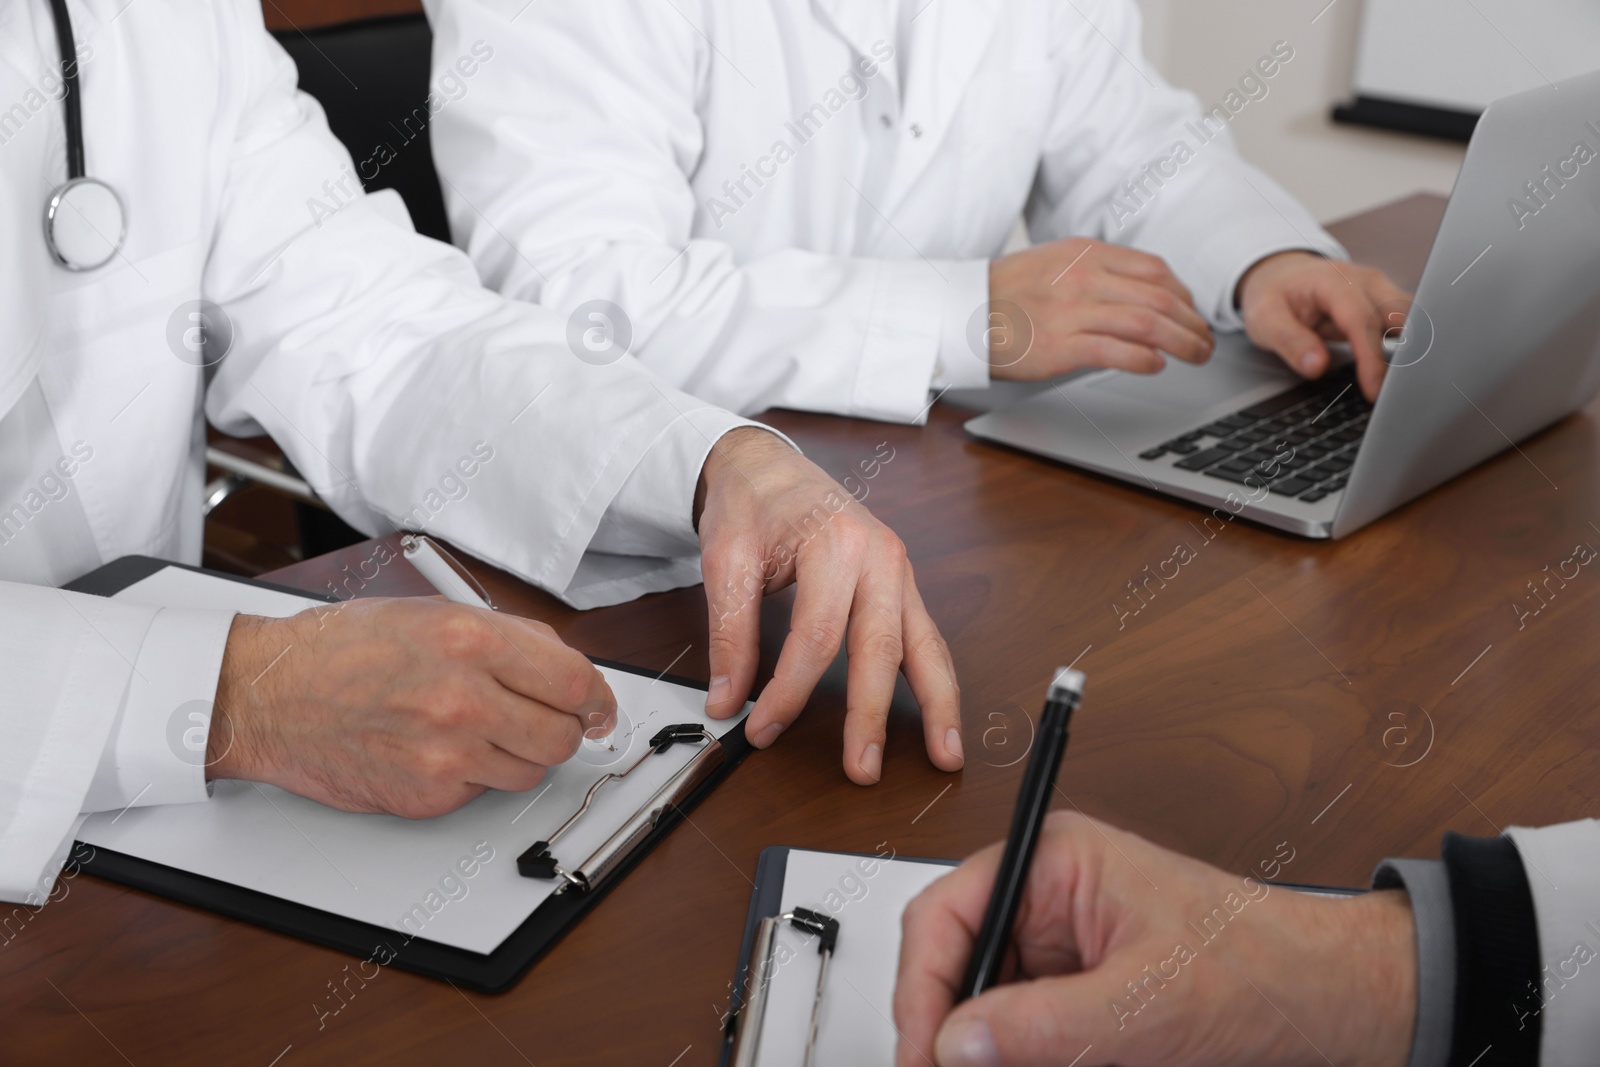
[
  {"x": 773, "y": 991},
  {"x": 492, "y": 971},
  {"x": 859, "y": 898}
]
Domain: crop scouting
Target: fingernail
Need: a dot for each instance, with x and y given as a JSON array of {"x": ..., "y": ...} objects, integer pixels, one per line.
[
  {"x": 1308, "y": 363},
  {"x": 769, "y": 735},
  {"x": 872, "y": 761},
  {"x": 719, "y": 689},
  {"x": 952, "y": 743},
  {"x": 967, "y": 1043}
]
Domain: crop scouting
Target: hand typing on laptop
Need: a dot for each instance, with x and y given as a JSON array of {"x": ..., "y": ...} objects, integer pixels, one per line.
[
  {"x": 1089, "y": 304},
  {"x": 1294, "y": 301},
  {"x": 1086, "y": 303}
]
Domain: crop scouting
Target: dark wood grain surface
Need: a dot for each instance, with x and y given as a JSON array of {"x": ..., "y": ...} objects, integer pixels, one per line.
[{"x": 1353, "y": 699}]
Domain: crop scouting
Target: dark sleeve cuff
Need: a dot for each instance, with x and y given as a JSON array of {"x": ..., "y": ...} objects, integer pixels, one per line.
[
  {"x": 1497, "y": 953},
  {"x": 1427, "y": 886}
]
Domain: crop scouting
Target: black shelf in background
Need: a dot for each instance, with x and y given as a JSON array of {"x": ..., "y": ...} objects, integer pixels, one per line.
[{"x": 1442, "y": 122}]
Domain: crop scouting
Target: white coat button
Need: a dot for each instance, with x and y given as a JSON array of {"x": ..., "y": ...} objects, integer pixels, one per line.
[{"x": 916, "y": 130}]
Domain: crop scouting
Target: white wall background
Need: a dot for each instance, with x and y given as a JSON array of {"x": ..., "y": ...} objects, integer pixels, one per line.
[
  {"x": 1464, "y": 56},
  {"x": 1205, "y": 46}
]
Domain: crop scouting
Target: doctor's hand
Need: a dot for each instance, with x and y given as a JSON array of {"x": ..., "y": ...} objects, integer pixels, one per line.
[
  {"x": 409, "y": 706},
  {"x": 1086, "y": 303},
  {"x": 1292, "y": 302},
  {"x": 769, "y": 517},
  {"x": 1109, "y": 969}
]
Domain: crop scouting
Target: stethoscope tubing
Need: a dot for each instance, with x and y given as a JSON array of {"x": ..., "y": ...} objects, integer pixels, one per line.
[
  {"x": 81, "y": 201},
  {"x": 70, "y": 100}
]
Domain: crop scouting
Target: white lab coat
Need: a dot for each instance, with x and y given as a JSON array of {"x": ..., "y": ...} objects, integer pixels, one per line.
[
  {"x": 1562, "y": 865},
  {"x": 788, "y": 220},
  {"x": 369, "y": 353}
]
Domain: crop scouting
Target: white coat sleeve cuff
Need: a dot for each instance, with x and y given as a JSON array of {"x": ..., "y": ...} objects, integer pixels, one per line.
[
  {"x": 905, "y": 334},
  {"x": 653, "y": 513},
  {"x": 67, "y": 657},
  {"x": 156, "y": 753},
  {"x": 963, "y": 361},
  {"x": 1234, "y": 253},
  {"x": 1563, "y": 869}
]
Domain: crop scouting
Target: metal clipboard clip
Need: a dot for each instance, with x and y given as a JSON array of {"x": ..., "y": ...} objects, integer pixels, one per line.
[
  {"x": 538, "y": 862},
  {"x": 747, "y": 1023}
]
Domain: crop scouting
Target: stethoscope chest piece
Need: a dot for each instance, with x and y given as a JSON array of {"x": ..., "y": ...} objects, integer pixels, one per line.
[
  {"x": 84, "y": 219},
  {"x": 84, "y": 224}
]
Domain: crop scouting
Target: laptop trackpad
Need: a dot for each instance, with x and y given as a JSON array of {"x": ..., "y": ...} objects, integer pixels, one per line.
[{"x": 1235, "y": 369}]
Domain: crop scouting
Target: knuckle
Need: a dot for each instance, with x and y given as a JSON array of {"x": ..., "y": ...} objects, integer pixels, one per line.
[
  {"x": 931, "y": 648},
  {"x": 1151, "y": 267},
  {"x": 1144, "y": 324},
  {"x": 566, "y": 737},
  {"x": 1085, "y": 349},
  {"x": 1363, "y": 317},
  {"x": 1089, "y": 348},
  {"x": 891, "y": 550},
  {"x": 464, "y": 636},
  {"x": 722, "y": 643},
  {"x": 578, "y": 677},
  {"x": 528, "y": 776},
  {"x": 820, "y": 640},
  {"x": 1110, "y": 352},
  {"x": 852, "y": 536},
  {"x": 437, "y": 765},
  {"x": 883, "y": 647},
  {"x": 451, "y": 708}
]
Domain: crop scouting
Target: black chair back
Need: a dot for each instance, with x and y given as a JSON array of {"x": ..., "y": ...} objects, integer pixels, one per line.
[{"x": 371, "y": 78}]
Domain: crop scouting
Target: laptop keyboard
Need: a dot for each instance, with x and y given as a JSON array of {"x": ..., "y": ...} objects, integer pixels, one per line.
[{"x": 1301, "y": 443}]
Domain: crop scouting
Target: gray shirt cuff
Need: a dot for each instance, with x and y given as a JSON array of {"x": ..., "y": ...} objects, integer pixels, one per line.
[{"x": 1428, "y": 885}]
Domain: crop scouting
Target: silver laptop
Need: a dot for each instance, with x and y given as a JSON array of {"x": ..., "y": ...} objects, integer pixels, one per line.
[{"x": 1502, "y": 340}]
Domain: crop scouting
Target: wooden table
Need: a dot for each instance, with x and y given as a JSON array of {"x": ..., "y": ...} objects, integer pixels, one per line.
[{"x": 1353, "y": 699}]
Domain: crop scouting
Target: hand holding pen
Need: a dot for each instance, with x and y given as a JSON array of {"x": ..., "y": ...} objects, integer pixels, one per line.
[
  {"x": 403, "y": 705},
  {"x": 1116, "y": 951}
]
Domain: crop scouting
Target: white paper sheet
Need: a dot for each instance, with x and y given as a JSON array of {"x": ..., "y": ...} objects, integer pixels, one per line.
[
  {"x": 855, "y": 1028},
  {"x": 407, "y": 875}
]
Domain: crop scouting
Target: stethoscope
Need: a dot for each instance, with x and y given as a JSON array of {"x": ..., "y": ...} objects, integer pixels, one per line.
[{"x": 84, "y": 223}]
